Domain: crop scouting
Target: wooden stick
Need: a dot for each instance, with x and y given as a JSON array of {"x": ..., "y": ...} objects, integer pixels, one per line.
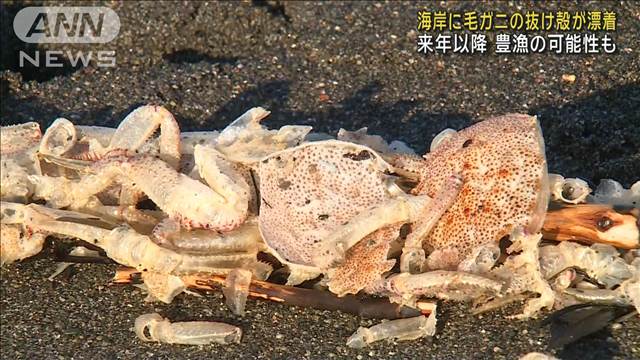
[
  {"x": 593, "y": 223},
  {"x": 324, "y": 300}
]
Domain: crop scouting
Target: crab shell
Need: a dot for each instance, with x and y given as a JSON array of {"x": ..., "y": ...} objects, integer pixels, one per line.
[
  {"x": 503, "y": 166},
  {"x": 307, "y": 192}
]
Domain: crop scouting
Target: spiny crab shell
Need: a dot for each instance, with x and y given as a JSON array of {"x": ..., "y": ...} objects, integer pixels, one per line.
[
  {"x": 504, "y": 171},
  {"x": 307, "y": 192}
]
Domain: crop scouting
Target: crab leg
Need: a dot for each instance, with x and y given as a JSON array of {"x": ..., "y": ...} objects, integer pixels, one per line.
[
  {"x": 404, "y": 287},
  {"x": 413, "y": 256},
  {"x": 627, "y": 294},
  {"x": 331, "y": 250},
  {"x": 126, "y": 246},
  {"x": 198, "y": 241},
  {"x": 523, "y": 273},
  {"x": 188, "y": 139},
  {"x": 130, "y": 248},
  {"x": 18, "y": 239},
  {"x": 145, "y": 220},
  {"x": 236, "y": 290},
  {"x": 246, "y": 141},
  {"x": 188, "y": 333},
  {"x": 406, "y": 165},
  {"x": 400, "y": 329},
  {"x": 220, "y": 175},
  {"x": 61, "y": 192},
  {"x": 96, "y": 140},
  {"x": 140, "y": 124},
  {"x": 598, "y": 296},
  {"x": 162, "y": 287},
  {"x": 132, "y": 134},
  {"x": 187, "y": 200}
]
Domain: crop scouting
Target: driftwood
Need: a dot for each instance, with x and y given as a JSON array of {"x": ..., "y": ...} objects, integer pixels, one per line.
[
  {"x": 593, "y": 223},
  {"x": 368, "y": 307}
]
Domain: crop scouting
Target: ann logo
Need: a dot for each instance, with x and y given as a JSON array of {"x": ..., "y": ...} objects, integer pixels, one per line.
[
  {"x": 66, "y": 24},
  {"x": 77, "y": 26}
]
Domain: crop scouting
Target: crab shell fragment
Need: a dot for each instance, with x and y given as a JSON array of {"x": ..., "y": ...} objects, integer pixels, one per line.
[
  {"x": 503, "y": 166},
  {"x": 365, "y": 262},
  {"x": 18, "y": 160}
]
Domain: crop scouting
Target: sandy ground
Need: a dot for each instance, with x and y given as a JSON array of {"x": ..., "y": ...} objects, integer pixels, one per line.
[{"x": 328, "y": 65}]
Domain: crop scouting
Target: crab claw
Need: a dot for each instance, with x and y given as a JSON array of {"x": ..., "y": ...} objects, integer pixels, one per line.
[
  {"x": 17, "y": 240},
  {"x": 59, "y": 138},
  {"x": 246, "y": 141},
  {"x": 140, "y": 124},
  {"x": 187, "y": 200}
]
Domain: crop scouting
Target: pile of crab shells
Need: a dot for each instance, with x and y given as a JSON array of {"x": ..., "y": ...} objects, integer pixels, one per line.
[{"x": 355, "y": 212}]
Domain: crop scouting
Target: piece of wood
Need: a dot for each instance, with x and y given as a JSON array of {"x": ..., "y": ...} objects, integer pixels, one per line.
[
  {"x": 368, "y": 307},
  {"x": 593, "y": 223}
]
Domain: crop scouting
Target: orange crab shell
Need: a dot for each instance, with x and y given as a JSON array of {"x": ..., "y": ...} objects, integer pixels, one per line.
[
  {"x": 503, "y": 166},
  {"x": 366, "y": 262}
]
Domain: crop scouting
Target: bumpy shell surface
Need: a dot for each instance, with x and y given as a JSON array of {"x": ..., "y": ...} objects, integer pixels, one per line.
[
  {"x": 19, "y": 138},
  {"x": 365, "y": 262},
  {"x": 18, "y": 160},
  {"x": 308, "y": 191},
  {"x": 502, "y": 163}
]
